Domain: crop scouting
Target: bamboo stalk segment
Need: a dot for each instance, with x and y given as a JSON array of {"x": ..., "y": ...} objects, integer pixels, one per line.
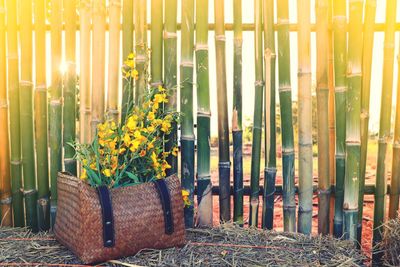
[
  {"x": 114, "y": 11},
  {"x": 41, "y": 126},
  {"x": 26, "y": 115},
  {"x": 257, "y": 115},
  {"x": 324, "y": 183},
  {"x": 224, "y": 164},
  {"x": 305, "y": 119},
  {"x": 98, "y": 63},
  {"x": 127, "y": 48},
  {"x": 237, "y": 132},
  {"x": 15, "y": 131},
  {"x": 269, "y": 115},
  {"x": 368, "y": 43},
  {"x": 5, "y": 181},
  {"x": 85, "y": 87},
  {"x": 285, "y": 96},
  {"x": 187, "y": 131},
  {"x": 384, "y": 125},
  {"x": 140, "y": 20},
  {"x": 170, "y": 76},
  {"x": 156, "y": 42}
]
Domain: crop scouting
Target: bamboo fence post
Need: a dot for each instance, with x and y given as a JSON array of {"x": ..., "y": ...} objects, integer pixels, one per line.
[
  {"x": 324, "y": 183},
  {"x": 55, "y": 112},
  {"x": 69, "y": 92},
  {"x": 204, "y": 193},
  {"x": 257, "y": 115},
  {"x": 285, "y": 96},
  {"x": 305, "y": 119},
  {"x": 237, "y": 131},
  {"x": 340, "y": 61},
  {"x": 368, "y": 43},
  {"x": 41, "y": 126},
  {"x": 224, "y": 164},
  {"x": 353, "y": 119},
  {"x": 127, "y": 48},
  {"x": 384, "y": 126},
  {"x": 98, "y": 63},
  {"x": 156, "y": 42},
  {"x": 170, "y": 70},
  {"x": 15, "y": 132},
  {"x": 269, "y": 115},
  {"x": 5, "y": 182},
  {"x": 114, "y": 10},
  {"x": 26, "y": 113},
  {"x": 187, "y": 132},
  {"x": 140, "y": 20},
  {"x": 85, "y": 87}
]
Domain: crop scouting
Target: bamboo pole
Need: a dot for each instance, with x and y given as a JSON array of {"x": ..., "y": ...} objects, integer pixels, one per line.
[
  {"x": 156, "y": 42},
  {"x": 384, "y": 125},
  {"x": 187, "y": 132},
  {"x": 170, "y": 77},
  {"x": 26, "y": 113},
  {"x": 204, "y": 196},
  {"x": 114, "y": 11},
  {"x": 395, "y": 178},
  {"x": 257, "y": 115},
  {"x": 41, "y": 106},
  {"x": 269, "y": 116},
  {"x": 69, "y": 93},
  {"x": 285, "y": 96},
  {"x": 237, "y": 132},
  {"x": 368, "y": 43},
  {"x": 340, "y": 61},
  {"x": 127, "y": 48},
  {"x": 305, "y": 119},
  {"x": 15, "y": 132},
  {"x": 85, "y": 70},
  {"x": 140, "y": 19},
  {"x": 353, "y": 113},
  {"x": 98, "y": 63},
  {"x": 324, "y": 183},
  {"x": 223, "y": 127},
  {"x": 55, "y": 112},
  {"x": 5, "y": 183}
]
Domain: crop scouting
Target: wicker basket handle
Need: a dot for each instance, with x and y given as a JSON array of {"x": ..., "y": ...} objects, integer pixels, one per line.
[
  {"x": 107, "y": 213},
  {"x": 165, "y": 198}
]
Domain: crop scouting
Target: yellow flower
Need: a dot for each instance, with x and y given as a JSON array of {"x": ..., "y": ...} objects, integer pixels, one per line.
[
  {"x": 135, "y": 145},
  {"x": 151, "y": 116},
  {"x": 134, "y": 74},
  {"x": 127, "y": 139},
  {"x": 165, "y": 166},
  {"x": 165, "y": 126},
  {"x": 185, "y": 196},
  {"x": 155, "y": 160},
  {"x": 93, "y": 166},
  {"x": 160, "y": 98},
  {"x": 142, "y": 153},
  {"x": 84, "y": 174},
  {"x": 107, "y": 172},
  {"x": 122, "y": 150},
  {"x": 150, "y": 146},
  {"x": 161, "y": 89},
  {"x": 175, "y": 151},
  {"x": 132, "y": 123}
]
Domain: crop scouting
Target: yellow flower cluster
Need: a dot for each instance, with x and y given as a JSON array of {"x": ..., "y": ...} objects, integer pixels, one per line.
[{"x": 129, "y": 71}]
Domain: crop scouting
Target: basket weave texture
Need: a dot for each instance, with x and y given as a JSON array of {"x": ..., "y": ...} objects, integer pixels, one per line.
[{"x": 138, "y": 219}]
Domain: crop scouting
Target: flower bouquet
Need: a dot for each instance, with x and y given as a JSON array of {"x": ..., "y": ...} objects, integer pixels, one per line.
[{"x": 123, "y": 202}]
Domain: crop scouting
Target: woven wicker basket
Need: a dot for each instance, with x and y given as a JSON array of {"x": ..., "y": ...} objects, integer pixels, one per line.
[{"x": 138, "y": 219}]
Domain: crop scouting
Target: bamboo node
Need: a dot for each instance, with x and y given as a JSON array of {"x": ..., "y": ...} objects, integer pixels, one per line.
[
  {"x": 224, "y": 164},
  {"x": 56, "y": 102},
  {"x": 16, "y": 162},
  {"x": 286, "y": 88},
  {"x": 41, "y": 88},
  {"x": 6, "y": 201},
  {"x": 3, "y": 103},
  {"x": 25, "y": 83},
  {"x": 259, "y": 83},
  {"x": 220, "y": 37},
  {"x": 29, "y": 192},
  {"x": 206, "y": 114},
  {"x": 156, "y": 83},
  {"x": 201, "y": 47},
  {"x": 340, "y": 89},
  {"x": 288, "y": 151},
  {"x": 188, "y": 137},
  {"x": 170, "y": 35},
  {"x": 282, "y": 21},
  {"x": 187, "y": 64},
  {"x": 204, "y": 177},
  {"x": 396, "y": 144}
]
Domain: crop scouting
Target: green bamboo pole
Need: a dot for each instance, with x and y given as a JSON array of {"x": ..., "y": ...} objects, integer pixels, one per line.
[
  {"x": 187, "y": 132},
  {"x": 384, "y": 125},
  {"x": 141, "y": 48},
  {"x": 114, "y": 11},
  {"x": 170, "y": 77},
  {"x": 368, "y": 43},
  {"x": 324, "y": 186},
  {"x": 204, "y": 196},
  {"x": 84, "y": 76},
  {"x": 257, "y": 117},
  {"x": 269, "y": 120},
  {"x": 223, "y": 127},
  {"x": 98, "y": 63},
  {"x": 340, "y": 61},
  {"x": 127, "y": 48},
  {"x": 156, "y": 42},
  {"x": 285, "y": 96},
  {"x": 395, "y": 178},
  {"x": 26, "y": 115},
  {"x": 55, "y": 112},
  {"x": 305, "y": 119},
  {"x": 15, "y": 132},
  {"x": 353, "y": 113},
  {"x": 5, "y": 183},
  {"x": 69, "y": 134},
  {"x": 237, "y": 132},
  {"x": 41, "y": 127}
]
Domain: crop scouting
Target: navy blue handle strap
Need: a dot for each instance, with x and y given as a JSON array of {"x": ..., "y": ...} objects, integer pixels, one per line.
[
  {"x": 165, "y": 198},
  {"x": 108, "y": 220}
]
